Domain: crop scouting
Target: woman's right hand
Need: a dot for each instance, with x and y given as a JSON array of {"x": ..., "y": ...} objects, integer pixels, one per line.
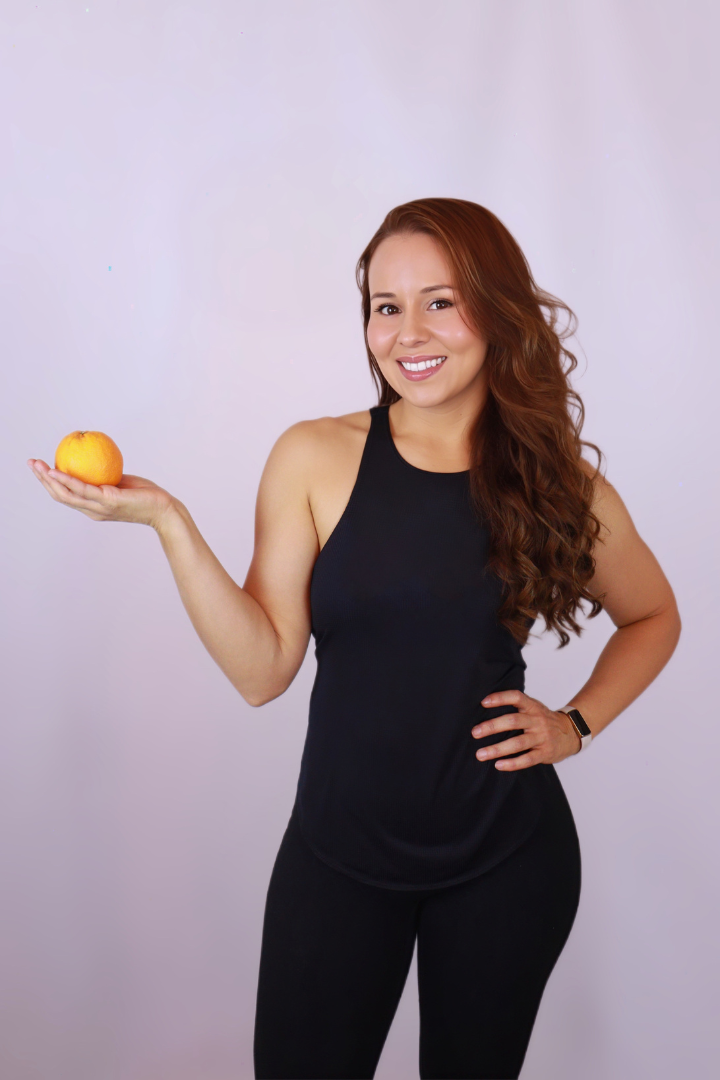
[{"x": 133, "y": 499}]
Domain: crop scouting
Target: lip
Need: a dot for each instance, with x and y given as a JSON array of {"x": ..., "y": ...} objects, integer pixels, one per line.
[{"x": 419, "y": 376}]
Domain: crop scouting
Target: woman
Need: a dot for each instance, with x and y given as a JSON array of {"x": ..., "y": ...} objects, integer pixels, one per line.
[{"x": 418, "y": 542}]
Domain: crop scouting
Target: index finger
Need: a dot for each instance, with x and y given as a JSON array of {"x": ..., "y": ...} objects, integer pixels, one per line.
[
  {"x": 78, "y": 487},
  {"x": 65, "y": 485},
  {"x": 505, "y": 697}
]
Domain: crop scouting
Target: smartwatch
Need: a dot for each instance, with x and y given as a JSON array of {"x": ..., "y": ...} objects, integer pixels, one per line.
[{"x": 578, "y": 722}]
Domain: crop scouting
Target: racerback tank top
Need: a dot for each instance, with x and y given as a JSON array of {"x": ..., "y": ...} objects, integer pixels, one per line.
[{"x": 407, "y": 642}]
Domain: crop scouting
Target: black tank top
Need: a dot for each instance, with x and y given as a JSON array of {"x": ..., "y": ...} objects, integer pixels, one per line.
[{"x": 407, "y": 641}]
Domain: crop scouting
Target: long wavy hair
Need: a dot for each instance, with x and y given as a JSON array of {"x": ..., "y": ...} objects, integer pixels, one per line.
[{"x": 526, "y": 478}]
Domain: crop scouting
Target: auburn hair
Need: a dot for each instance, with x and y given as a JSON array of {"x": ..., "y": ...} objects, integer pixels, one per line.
[{"x": 527, "y": 479}]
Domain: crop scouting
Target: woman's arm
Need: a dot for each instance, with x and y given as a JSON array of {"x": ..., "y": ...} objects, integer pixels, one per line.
[
  {"x": 639, "y": 600},
  {"x": 258, "y": 634}
]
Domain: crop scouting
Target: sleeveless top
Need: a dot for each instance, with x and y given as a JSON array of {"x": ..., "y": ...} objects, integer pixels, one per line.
[{"x": 408, "y": 643}]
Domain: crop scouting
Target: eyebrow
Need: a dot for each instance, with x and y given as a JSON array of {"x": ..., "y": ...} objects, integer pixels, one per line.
[{"x": 391, "y": 295}]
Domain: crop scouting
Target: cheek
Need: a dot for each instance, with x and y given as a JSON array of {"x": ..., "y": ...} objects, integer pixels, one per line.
[
  {"x": 378, "y": 337},
  {"x": 462, "y": 337},
  {"x": 467, "y": 344}
]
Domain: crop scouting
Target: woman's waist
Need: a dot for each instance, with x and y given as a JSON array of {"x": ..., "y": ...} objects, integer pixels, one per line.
[{"x": 366, "y": 679}]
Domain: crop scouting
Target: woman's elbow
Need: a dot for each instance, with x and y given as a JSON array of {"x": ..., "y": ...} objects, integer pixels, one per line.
[
  {"x": 673, "y": 624},
  {"x": 677, "y": 623}
]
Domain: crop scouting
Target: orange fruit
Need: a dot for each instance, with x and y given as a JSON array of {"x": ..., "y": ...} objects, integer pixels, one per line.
[{"x": 90, "y": 456}]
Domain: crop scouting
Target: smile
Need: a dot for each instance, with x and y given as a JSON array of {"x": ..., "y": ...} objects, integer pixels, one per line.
[
  {"x": 423, "y": 363},
  {"x": 423, "y": 368}
]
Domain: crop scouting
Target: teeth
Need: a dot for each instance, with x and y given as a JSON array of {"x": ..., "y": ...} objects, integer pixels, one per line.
[{"x": 423, "y": 364}]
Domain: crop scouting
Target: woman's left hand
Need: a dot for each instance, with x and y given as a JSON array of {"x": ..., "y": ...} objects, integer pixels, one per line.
[{"x": 548, "y": 736}]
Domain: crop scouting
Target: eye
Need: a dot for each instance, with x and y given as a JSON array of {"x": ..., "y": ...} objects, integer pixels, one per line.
[{"x": 380, "y": 307}]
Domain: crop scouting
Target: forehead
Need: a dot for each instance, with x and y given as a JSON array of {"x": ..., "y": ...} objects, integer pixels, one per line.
[{"x": 408, "y": 262}]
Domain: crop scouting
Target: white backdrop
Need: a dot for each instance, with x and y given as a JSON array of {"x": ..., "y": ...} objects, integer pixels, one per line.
[{"x": 185, "y": 190}]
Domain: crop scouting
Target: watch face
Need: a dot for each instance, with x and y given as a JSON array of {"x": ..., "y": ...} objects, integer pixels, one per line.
[{"x": 579, "y": 722}]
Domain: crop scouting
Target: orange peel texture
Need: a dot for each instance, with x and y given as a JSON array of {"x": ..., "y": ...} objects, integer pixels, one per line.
[{"x": 90, "y": 456}]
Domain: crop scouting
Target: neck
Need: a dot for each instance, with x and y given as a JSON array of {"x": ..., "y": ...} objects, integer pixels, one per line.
[{"x": 442, "y": 429}]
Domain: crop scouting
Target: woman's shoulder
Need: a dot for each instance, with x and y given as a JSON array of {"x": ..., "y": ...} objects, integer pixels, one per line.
[
  {"x": 607, "y": 504},
  {"x": 321, "y": 454},
  {"x": 329, "y": 436},
  {"x": 325, "y": 453}
]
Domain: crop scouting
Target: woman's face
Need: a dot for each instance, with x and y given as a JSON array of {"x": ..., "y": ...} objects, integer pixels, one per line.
[{"x": 415, "y": 316}]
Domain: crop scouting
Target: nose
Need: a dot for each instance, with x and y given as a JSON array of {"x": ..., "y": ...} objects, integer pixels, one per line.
[{"x": 412, "y": 332}]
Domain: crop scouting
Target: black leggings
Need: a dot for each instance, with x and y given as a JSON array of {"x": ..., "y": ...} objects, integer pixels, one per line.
[{"x": 336, "y": 953}]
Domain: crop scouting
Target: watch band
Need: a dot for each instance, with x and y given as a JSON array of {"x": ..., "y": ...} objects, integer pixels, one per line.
[{"x": 580, "y": 725}]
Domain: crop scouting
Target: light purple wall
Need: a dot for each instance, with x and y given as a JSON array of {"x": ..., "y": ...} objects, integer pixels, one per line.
[{"x": 229, "y": 161}]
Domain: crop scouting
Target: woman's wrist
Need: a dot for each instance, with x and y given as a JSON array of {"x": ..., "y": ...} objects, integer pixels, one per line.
[
  {"x": 584, "y": 727},
  {"x": 170, "y": 517},
  {"x": 577, "y": 741}
]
